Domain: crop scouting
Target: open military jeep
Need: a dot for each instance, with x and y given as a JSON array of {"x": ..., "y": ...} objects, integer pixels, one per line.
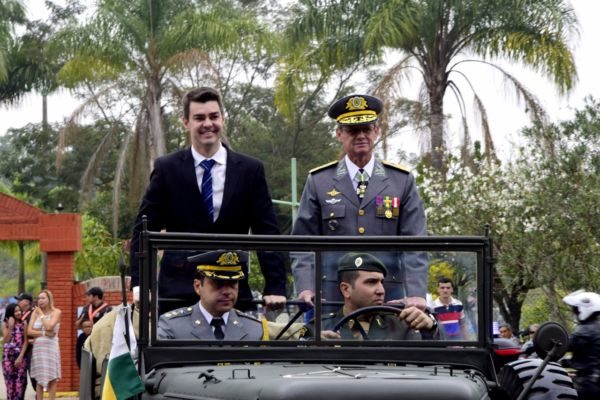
[{"x": 473, "y": 366}]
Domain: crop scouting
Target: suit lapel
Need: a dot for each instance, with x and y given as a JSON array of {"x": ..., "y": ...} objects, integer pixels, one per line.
[
  {"x": 343, "y": 183},
  {"x": 201, "y": 329},
  {"x": 377, "y": 183},
  {"x": 234, "y": 331},
  {"x": 189, "y": 175}
]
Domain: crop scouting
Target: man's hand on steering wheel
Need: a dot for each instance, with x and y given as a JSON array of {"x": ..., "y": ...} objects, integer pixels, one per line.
[
  {"x": 331, "y": 335},
  {"x": 416, "y": 319},
  {"x": 418, "y": 302}
]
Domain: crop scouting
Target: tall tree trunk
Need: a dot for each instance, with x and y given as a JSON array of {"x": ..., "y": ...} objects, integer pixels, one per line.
[
  {"x": 436, "y": 124},
  {"x": 157, "y": 129},
  {"x": 44, "y": 111},
  {"x": 21, "y": 266}
]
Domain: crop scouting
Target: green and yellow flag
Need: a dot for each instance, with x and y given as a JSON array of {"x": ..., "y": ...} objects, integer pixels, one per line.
[{"x": 122, "y": 380}]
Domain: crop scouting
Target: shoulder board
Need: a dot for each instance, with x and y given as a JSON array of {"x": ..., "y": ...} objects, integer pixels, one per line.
[
  {"x": 396, "y": 166},
  {"x": 180, "y": 312},
  {"x": 244, "y": 315},
  {"x": 324, "y": 166}
]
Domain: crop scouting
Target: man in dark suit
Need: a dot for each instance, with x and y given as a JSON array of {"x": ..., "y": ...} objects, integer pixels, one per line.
[{"x": 207, "y": 188}]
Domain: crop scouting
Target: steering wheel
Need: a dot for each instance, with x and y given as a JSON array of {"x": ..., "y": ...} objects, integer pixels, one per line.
[{"x": 353, "y": 316}]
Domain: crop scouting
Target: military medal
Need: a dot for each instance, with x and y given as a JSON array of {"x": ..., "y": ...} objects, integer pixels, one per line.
[
  {"x": 361, "y": 188},
  {"x": 395, "y": 206},
  {"x": 379, "y": 206},
  {"x": 388, "y": 203}
]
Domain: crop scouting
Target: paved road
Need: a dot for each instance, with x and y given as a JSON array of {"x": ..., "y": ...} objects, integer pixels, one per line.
[{"x": 29, "y": 393}]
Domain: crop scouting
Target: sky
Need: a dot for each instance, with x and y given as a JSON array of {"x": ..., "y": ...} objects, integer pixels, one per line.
[{"x": 505, "y": 116}]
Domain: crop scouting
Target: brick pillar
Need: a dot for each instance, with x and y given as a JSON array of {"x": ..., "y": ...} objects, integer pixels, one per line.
[
  {"x": 60, "y": 238},
  {"x": 60, "y": 283}
]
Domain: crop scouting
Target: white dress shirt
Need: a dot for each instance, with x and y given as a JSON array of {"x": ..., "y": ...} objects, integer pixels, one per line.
[
  {"x": 218, "y": 176},
  {"x": 353, "y": 169},
  {"x": 208, "y": 317}
]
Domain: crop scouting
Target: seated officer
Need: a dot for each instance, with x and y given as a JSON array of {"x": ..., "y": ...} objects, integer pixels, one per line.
[
  {"x": 218, "y": 274},
  {"x": 361, "y": 277}
]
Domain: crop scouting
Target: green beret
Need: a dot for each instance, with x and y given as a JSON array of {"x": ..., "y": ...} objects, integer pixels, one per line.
[
  {"x": 361, "y": 262},
  {"x": 224, "y": 265},
  {"x": 356, "y": 109}
]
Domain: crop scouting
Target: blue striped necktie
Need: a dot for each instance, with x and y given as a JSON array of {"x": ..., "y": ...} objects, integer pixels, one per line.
[{"x": 207, "y": 187}]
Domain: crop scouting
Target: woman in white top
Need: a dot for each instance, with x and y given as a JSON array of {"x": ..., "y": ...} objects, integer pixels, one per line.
[{"x": 45, "y": 357}]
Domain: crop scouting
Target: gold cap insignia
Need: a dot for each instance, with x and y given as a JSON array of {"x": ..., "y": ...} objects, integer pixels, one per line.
[
  {"x": 229, "y": 258},
  {"x": 356, "y": 103}
]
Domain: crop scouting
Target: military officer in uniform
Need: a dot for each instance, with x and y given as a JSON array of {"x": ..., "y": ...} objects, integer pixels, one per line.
[
  {"x": 362, "y": 195},
  {"x": 361, "y": 278},
  {"x": 218, "y": 274}
]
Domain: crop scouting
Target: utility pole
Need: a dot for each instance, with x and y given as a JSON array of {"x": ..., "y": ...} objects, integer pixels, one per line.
[{"x": 294, "y": 202}]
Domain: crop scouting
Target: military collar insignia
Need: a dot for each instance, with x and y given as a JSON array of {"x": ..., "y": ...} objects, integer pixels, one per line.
[
  {"x": 333, "y": 193},
  {"x": 341, "y": 169},
  {"x": 378, "y": 169}
]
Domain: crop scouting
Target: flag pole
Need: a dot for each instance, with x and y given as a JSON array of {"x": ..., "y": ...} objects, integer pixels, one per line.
[{"x": 122, "y": 268}]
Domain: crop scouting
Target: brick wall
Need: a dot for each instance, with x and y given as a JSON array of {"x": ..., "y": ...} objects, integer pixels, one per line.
[{"x": 60, "y": 237}]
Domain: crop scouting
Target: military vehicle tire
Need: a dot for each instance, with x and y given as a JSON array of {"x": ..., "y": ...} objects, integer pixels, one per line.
[{"x": 552, "y": 384}]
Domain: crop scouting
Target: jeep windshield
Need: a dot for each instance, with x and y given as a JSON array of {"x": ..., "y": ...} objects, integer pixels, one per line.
[{"x": 285, "y": 330}]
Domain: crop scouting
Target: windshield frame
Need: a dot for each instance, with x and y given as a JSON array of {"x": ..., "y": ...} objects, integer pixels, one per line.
[{"x": 152, "y": 242}]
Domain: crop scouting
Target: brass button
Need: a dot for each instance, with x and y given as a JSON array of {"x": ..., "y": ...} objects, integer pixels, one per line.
[
  {"x": 331, "y": 215},
  {"x": 361, "y": 212},
  {"x": 361, "y": 230}
]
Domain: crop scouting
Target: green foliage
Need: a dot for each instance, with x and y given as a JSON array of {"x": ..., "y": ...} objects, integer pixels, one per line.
[
  {"x": 9, "y": 268},
  {"x": 259, "y": 129},
  {"x": 12, "y": 13},
  {"x": 437, "y": 269},
  {"x": 543, "y": 211},
  {"x": 28, "y": 159},
  {"x": 434, "y": 37},
  {"x": 100, "y": 253}
]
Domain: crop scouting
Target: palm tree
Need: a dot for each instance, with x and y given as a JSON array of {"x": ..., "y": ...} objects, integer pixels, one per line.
[
  {"x": 11, "y": 13},
  {"x": 435, "y": 38},
  {"x": 139, "y": 46}
]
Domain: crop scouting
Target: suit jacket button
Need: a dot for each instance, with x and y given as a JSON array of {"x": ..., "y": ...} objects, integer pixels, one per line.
[
  {"x": 361, "y": 212},
  {"x": 361, "y": 230}
]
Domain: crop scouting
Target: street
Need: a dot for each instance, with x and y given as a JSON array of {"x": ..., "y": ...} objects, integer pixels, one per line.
[{"x": 29, "y": 393}]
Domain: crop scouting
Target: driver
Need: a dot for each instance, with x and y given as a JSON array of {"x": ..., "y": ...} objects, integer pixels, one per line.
[
  {"x": 218, "y": 274},
  {"x": 361, "y": 277}
]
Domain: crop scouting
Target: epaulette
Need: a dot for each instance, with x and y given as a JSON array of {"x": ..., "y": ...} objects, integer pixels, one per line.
[
  {"x": 324, "y": 166},
  {"x": 244, "y": 315},
  {"x": 180, "y": 312},
  {"x": 396, "y": 166}
]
